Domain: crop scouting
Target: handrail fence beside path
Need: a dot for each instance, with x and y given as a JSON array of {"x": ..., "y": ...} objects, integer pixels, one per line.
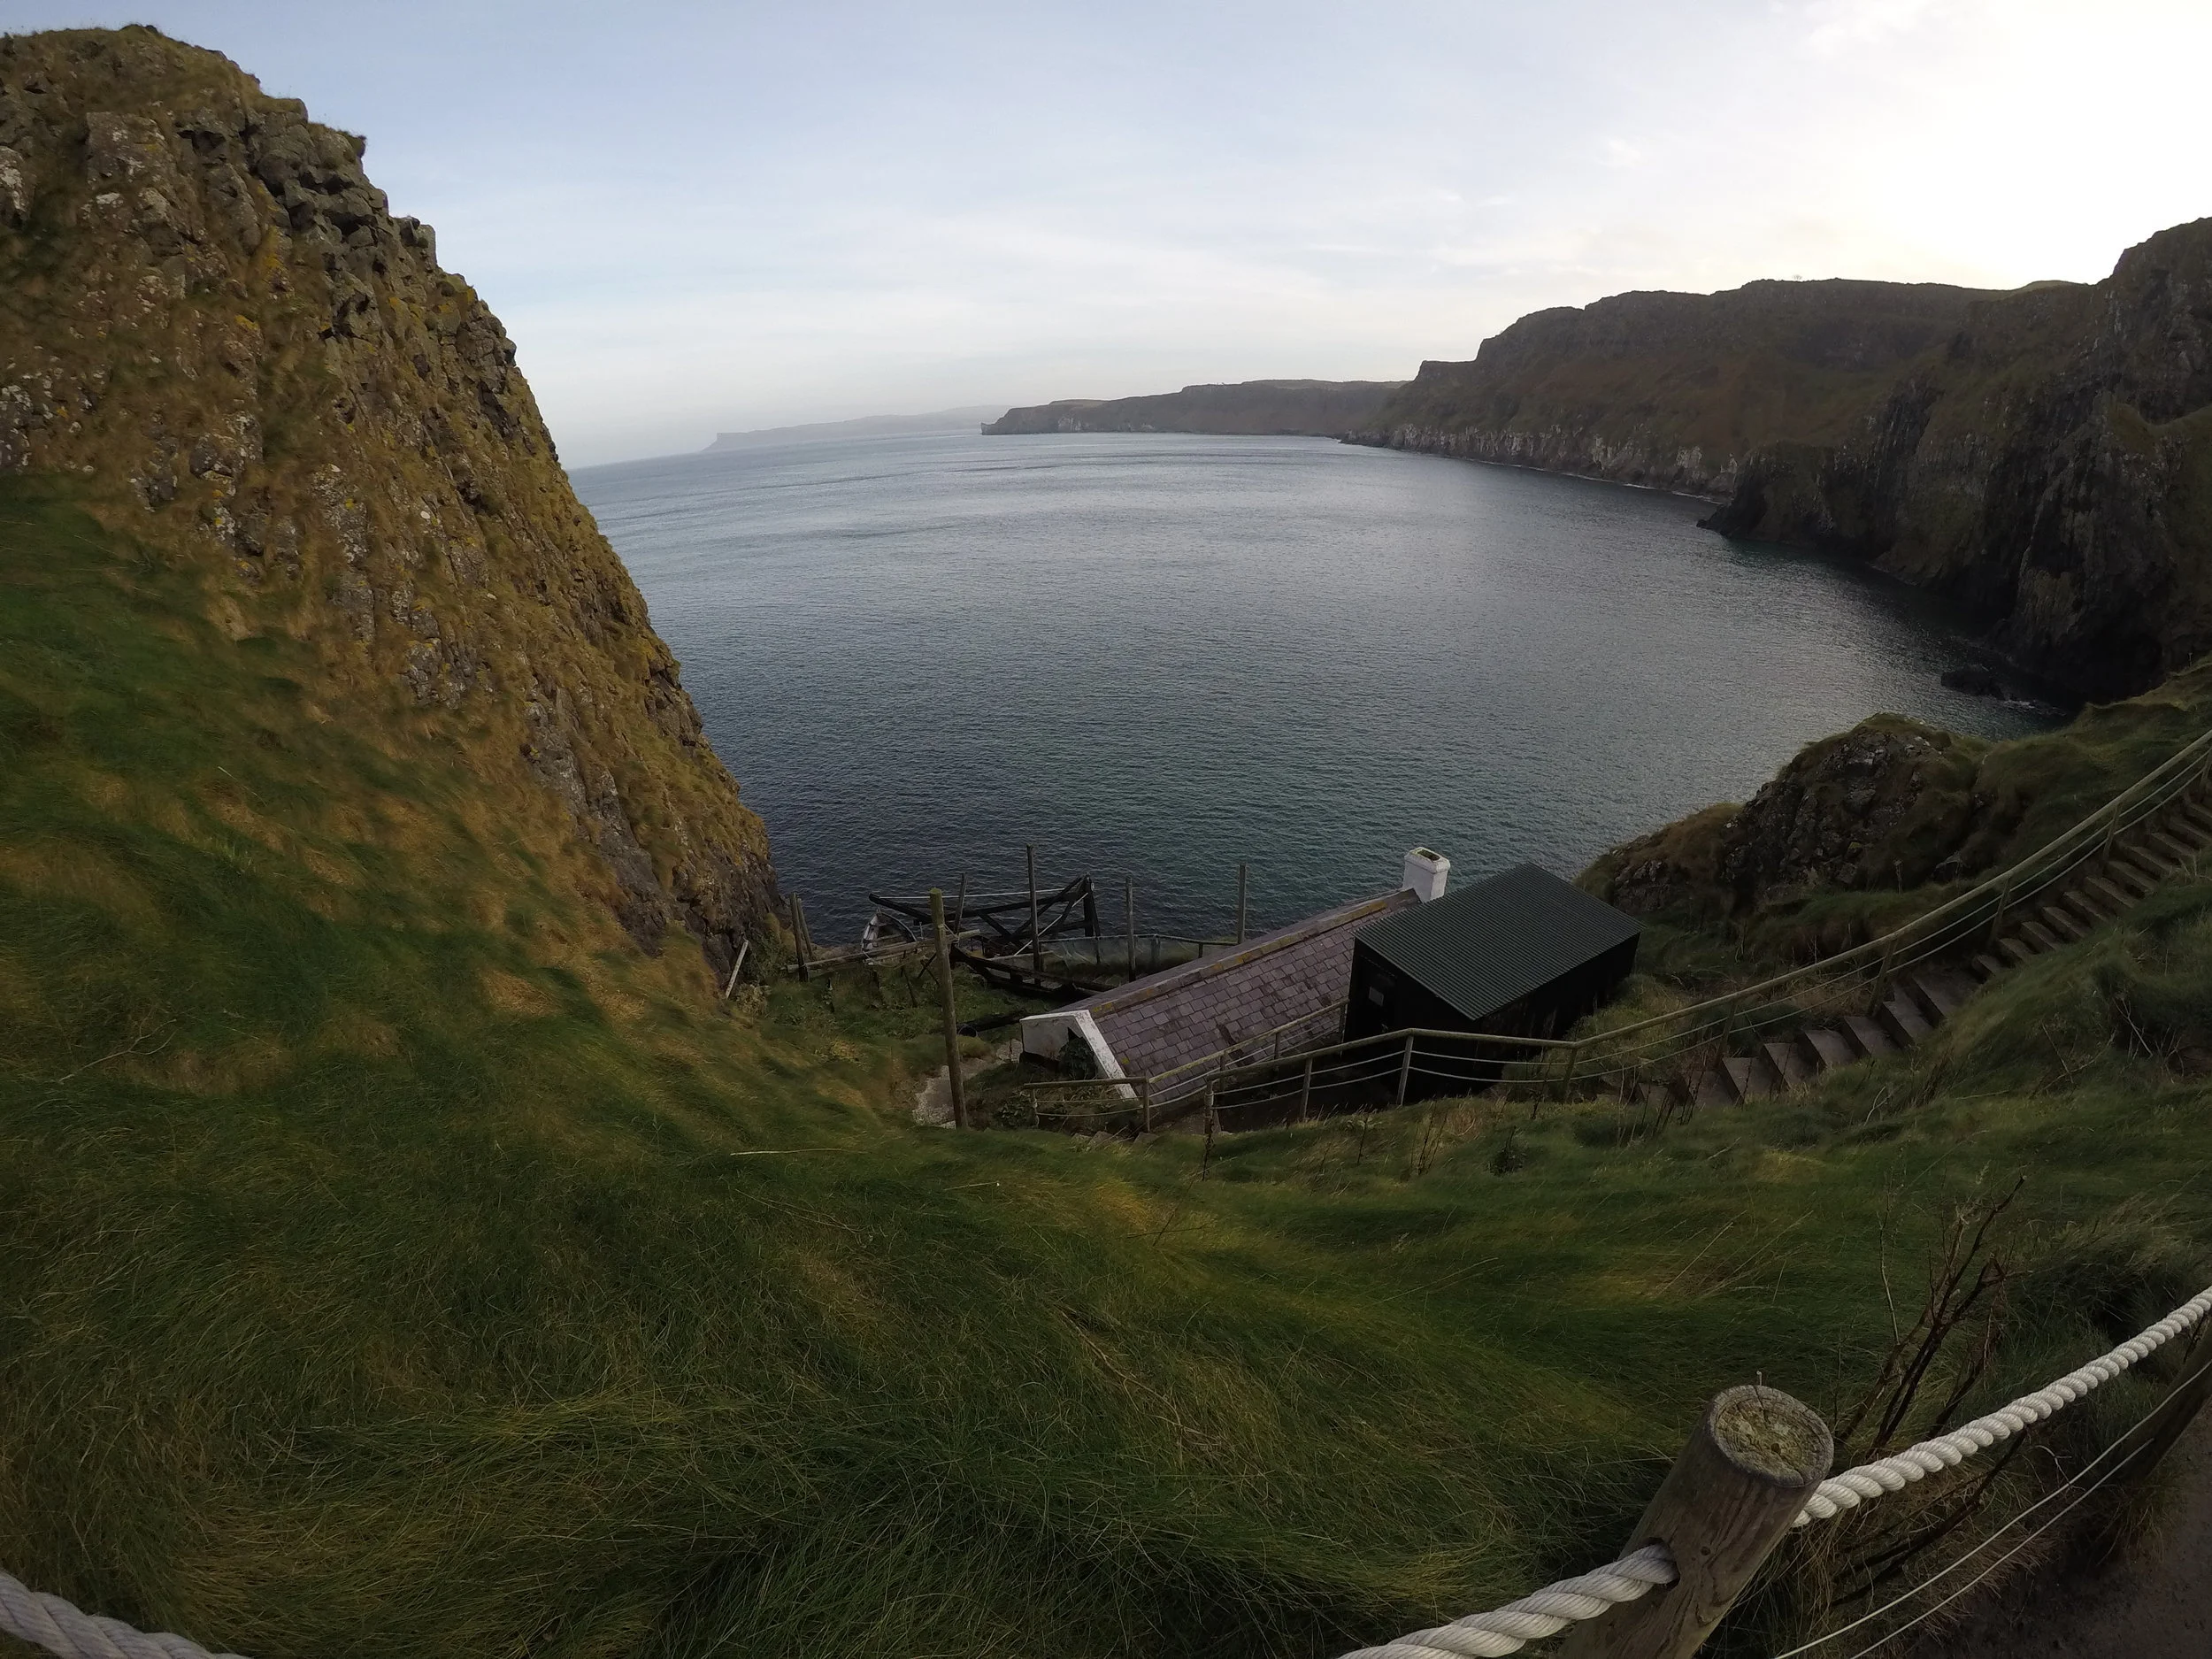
[{"x": 1647, "y": 1049}]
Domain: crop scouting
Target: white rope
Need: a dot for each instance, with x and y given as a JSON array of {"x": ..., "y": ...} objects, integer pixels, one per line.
[
  {"x": 1546, "y": 1613},
  {"x": 58, "y": 1626},
  {"x": 1854, "y": 1487},
  {"x": 1990, "y": 1542}
]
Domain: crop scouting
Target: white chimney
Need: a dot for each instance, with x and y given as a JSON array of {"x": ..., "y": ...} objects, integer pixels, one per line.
[{"x": 1426, "y": 872}]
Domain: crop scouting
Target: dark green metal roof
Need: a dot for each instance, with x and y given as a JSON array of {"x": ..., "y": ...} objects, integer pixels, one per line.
[{"x": 1491, "y": 944}]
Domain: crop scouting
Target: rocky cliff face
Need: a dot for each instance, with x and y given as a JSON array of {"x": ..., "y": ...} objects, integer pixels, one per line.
[
  {"x": 1881, "y": 805},
  {"x": 1325, "y": 409},
  {"x": 2043, "y": 456},
  {"x": 1671, "y": 391},
  {"x": 2050, "y": 466},
  {"x": 214, "y": 333}
]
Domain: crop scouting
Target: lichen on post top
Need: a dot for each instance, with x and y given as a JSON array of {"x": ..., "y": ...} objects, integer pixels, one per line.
[{"x": 217, "y": 338}]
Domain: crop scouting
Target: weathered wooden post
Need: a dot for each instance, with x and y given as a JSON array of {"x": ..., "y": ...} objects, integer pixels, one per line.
[
  {"x": 960, "y": 905},
  {"x": 1129, "y": 918},
  {"x": 799, "y": 939},
  {"x": 1090, "y": 913},
  {"x": 1727, "y": 1026},
  {"x": 1206, "y": 1162},
  {"x": 1405, "y": 1070},
  {"x": 1241, "y": 873},
  {"x": 1997, "y": 921},
  {"x": 1566, "y": 1072},
  {"x": 1754, "y": 1459},
  {"x": 1882, "y": 978},
  {"x": 1305, "y": 1090},
  {"x": 2166, "y": 1424},
  {"x": 1144, "y": 1095},
  {"x": 1036, "y": 938},
  {"x": 736, "y": 968},
  {"x": 952, "y": 1017}
]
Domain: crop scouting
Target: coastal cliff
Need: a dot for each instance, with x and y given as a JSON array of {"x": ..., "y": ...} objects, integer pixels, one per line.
[
  {"x": 1672, "y": 391},
  {"x": 218, "y": 340},
  {"x": 2050, "y": 468},
  {"x": 2043, "y": 457},
  {"x": 1323, "y": 409}
]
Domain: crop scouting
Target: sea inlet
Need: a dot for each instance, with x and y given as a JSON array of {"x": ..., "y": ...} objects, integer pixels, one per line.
[{"x": 1159, "y": 655}]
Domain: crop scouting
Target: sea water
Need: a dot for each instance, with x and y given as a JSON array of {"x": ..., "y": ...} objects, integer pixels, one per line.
[{"x": 1159, "y": 655}]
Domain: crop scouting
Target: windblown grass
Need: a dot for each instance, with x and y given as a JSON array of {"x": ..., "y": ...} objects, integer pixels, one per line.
[{"x": 391, "y": 1261}]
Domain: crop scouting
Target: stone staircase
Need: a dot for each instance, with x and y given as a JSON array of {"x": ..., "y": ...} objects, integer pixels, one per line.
[{"x": 1923, "y": 996}]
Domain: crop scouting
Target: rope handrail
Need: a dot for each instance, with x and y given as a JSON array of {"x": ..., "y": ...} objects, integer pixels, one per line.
[
  {"x": 1508, "y": 1629},
  {"x": 1761, "y": 1005},
  {"x": 1542, "y": 1613},
  {"x": 1867, "y": 1481},
  {"x": 62, "y": 1627}
]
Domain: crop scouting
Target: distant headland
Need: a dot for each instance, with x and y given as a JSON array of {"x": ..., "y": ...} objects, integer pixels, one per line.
[
  {"x": 1320, "y": 409},
  {"x": 866, "y": 427}
]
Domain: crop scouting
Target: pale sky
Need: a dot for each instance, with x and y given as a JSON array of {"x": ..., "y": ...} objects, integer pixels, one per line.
[{"x": 703, "y": 217}]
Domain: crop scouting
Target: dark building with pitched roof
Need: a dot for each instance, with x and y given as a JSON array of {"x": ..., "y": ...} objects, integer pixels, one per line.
[{"x": 1520, "y": 954}]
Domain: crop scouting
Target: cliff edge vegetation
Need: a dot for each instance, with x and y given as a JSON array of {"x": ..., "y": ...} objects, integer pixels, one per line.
[
  {"x": 217, "y": 343},
  {"x": 404, "y": 1249},
  {"x": 2040, "y": 457}
]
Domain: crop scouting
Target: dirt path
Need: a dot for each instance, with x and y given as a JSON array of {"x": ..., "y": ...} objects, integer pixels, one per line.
[{"x": 2156, "y": 1604}]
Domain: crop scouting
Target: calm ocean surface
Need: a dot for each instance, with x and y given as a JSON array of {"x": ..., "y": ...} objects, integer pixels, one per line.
[{"x": 1160, "y": 654}]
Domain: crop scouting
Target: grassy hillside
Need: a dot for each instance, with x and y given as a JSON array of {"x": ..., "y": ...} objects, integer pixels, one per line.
[{"x": 393, "y": 1258}]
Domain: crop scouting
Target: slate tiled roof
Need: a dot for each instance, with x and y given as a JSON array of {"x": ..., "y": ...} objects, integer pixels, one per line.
[
  {"x": 1181, "y": 1015},
  {"x": 1490, "y": 944}
]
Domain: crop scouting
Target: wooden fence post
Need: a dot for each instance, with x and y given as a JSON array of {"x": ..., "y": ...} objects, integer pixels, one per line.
[
  {"x": 1405, "y": 1070},
  {"x": 1567, "y": 1072},
  {"x": 960, "y": 904},
  {"x": 1882, "y": 979},
  {"x": 1129, "y": 918},
  {"x": 1305, "y": 1091},
  {"x": 1144, "y": 1095},
  {"x": 2166, "y": 1424},
  {"x": 1240, "y": 905},
  {"x": 1036, "y": 938},
  {"x": 799, "y": 939},
  {"x": 952, "y": 1017},
  {"x": 1752, "y": 1462},
  {"x": 1206, "y": 1162},
  {"x": 736, "y": 968}
]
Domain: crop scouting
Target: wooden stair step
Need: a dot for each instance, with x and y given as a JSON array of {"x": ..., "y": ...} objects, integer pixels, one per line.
[
  {"x": 2198, "y": 817},
  {"x": 1872, "y": 1041},
  {"x": 1904, "y": 1021},
  {"x": 1749, "y": 1076},
  {"x": 2115, "y": 901},
  {"x": 2181, "y": 827},
  {"x": 2148, "y": 860},
  {"x": 2056, "y": 918},
  {"x": 1788, "y": 1065},
  {"x": 2037, "y": 935},
  {"x": 1827, "y": 1050},
  {"x": 1943, "y": 990},
  {"x": 2014, "y": 947},
  {"x": 1987, "y": 965},
  {"x": 1714, "y": 1089},
  {"x": 2179, "y": 856},
  {"x": 2083, "y": 908},
  {"x": 2140, "y": 883}
]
